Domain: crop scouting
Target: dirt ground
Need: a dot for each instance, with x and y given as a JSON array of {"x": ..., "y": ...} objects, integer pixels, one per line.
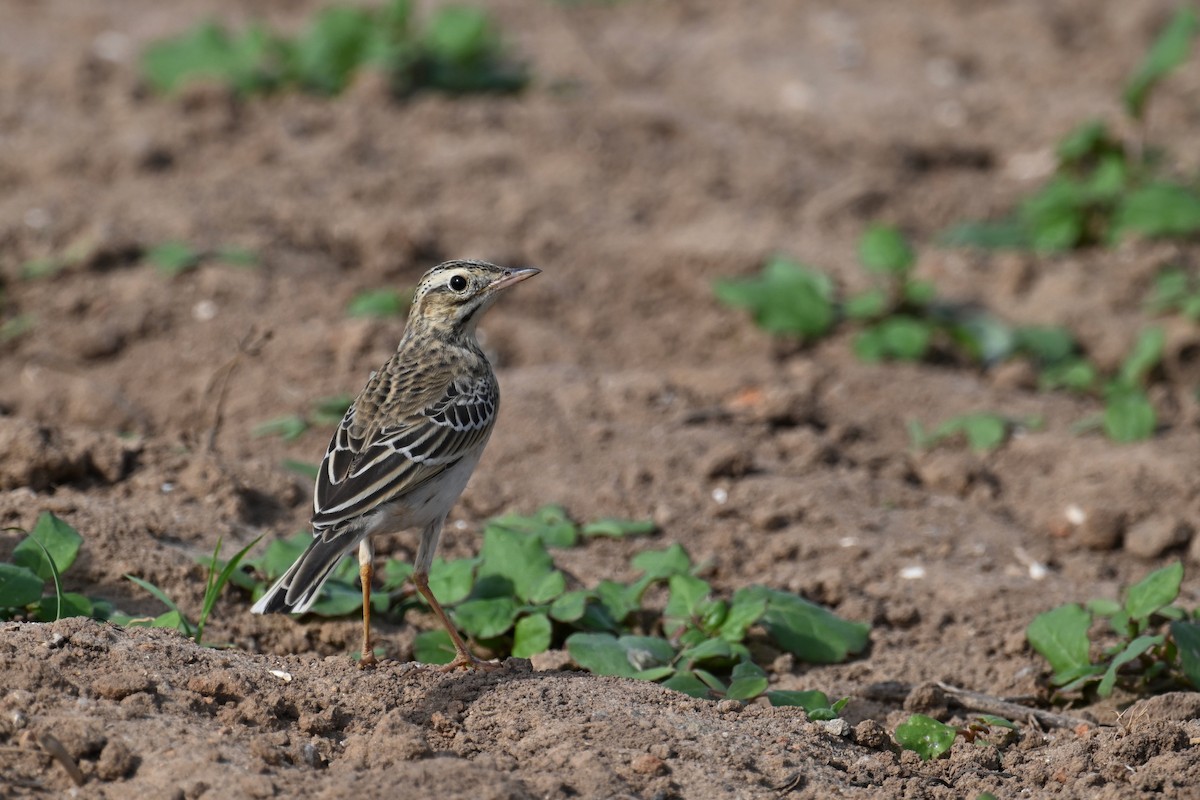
[{"x": 661, "y": 146}]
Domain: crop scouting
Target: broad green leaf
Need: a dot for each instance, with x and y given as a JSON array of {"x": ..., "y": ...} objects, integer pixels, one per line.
[
  {"x": 451, "y": 581},
  {"x": 281, "y": 554},
  {"x": 551, "y": 586},
  {"x": 1073, "y": 374},
  {"x": 61, "y": 543},
  {"x": 485, "y": 618},
  {"x": 378, "y": 303},
  {"x": 523, "y": 560},
  {"x": 73, "y": 605},
  {"x": 655, "y": 673},
  {"x": 396, "y": 573},
  {"x": 646, "y": 652},
  {"x": 785, "y": 299},
  {"x": 1187, "y": 639},
  {"x": 809, "y": 631},
  {"x": 605, "y": 654},
  {"x": 663, "y": 563},
  {"x": 569, "y": 606},
  {"x": 1134, "y": 649},
  {"x": 867, "y": 305},
  {"x": 884, "y": 250},
  {"x": 687, "y": 593},
  {"x": 549, "y": 523},
  {"x": 336, "y": 43},
  {"x": 1128, "y": 414},
  {"x": 1055, "y": 215},
  {"x": 711, "y": 681},
  {"x": 19, "y": 586},
  {"x": 925, "y": 736},
  {"x": 1146, "y": 354},
  {"x": 902, "y": 337},
  {"x": 1045, "y": 344},
  {"x": 1169, "y": 50},
  {"x": 1086, "y": 142},
  {"x": 209, "y": 52},
  {"x": 337, "y": 599},
  {"x": 809, "y": 700},
  {"x": 616, "y": 598},
  {"x": 330, "y": 410},
  {"x": 748, "y": 681},
  {"x": 708, "y": 650},
  {"x": 1061, "y": 636},
  {"x": 1158, "y": 589},
  {"x": 433, "y": 647},
  {"x": 687, "y": 683},
  {"x": 1104, "y": 608},
  {"x": 996, "y": 722},
  {"x": 531, "y": 635},
  {"x": 745, "y": 609},
  {"x": 619, "y": 528},
  {"x": 1158, "y": 210}
]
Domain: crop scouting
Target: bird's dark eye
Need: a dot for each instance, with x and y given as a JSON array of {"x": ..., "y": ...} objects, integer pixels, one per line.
[{"x": 458, "y": 283}]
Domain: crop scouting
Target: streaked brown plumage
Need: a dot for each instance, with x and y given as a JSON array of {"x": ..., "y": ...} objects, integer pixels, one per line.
[{"x": 407, "y": 445}]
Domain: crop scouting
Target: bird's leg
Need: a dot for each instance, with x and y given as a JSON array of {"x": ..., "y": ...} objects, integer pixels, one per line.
[
  {"x": 420, "y": 578},
  {"x": 464, "y": 657},
  {"x": 366, "y": 555}
]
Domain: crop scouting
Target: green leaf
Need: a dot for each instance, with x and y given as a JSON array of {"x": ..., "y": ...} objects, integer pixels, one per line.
[
  {"x": 337, "y": 42},
  {"x": 331, "y": 410},
  {"x": 1128, "y": 414},
  {"x": 61, "y": 543},
  {"x": 237, "y": 256},
  {"x": 1103, "y": 608},
  {"x": 459, "y": 34},
  {"x": 1055, "y": 215},
  {"x": 867, "y": 305},
  {"x": 654, "y": 673},
  {"x": 617, "y": 599},
  {"x": 433, "y": 647},
  {"x": 1088, "y": 141},
  {"x": 809, "y": 700},
  {"x": 172, "y": 258},
  {"x": 570, "y": 606},
  {"x": 69, "y": 604},
  {"x": 619, "y": 528},
  {"x": 396, "y": 573},
  {"x": 287, "y": 428},
  {"x": 745, "y": 609},
  {"x": 486, "y": 618},
  {"x": 748, "y": 681},
  {"x": 785, "y": 299},
  {"x": 1132, "y": 650},
  {"x": 605, "y": 654},
  {"x": 551, "y": 586},
  {"x": 808, "y": 631},
  {"x": 707, "y": 650},
  {"x": 687, "y": 593},
  {"x": 659, "y": 564},
  {"x": 1061, "y": 636},
  {"x": 1047, "y": 345},
  {"x": 687, "y": 683},
  {"x": 549, "y": 523},
  {"x": 521, "y": 559},
  {"x": 19, "y": 586},
  {"x": 1158, "y": 210},
  {"x": 1158, "y": 589},
  {"x": 216, "y": 581},
  {"x": 1074, "y": 374},
  {"x": 993, "y": 721},
  {"x": 1146, "y": 354},
  {"x": 1187, "y": 639},
  {"x": 302, "y": 468},
  {"x": 1169, "y": 50},
  {"x": 451, "y": 581},
  {"x": 378, "y": 303},
  {"x": 905, "y": 338},
  {"x": 925, "y": 736},
  {"x": 1007, "y": 234},
  {"x": 243, "y": 62},
  {"x": 531, "y": 635},
  {"x": 884, "y": 251},
  {"x": 337, "y": 599}
]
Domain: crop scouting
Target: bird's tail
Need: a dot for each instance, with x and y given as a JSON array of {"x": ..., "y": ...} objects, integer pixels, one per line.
[{"x": 297, "y": 590}]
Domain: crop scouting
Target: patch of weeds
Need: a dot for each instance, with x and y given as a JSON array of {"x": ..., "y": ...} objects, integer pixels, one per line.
[
  {"x": 379, "y": 303},
  {"x": 787, "y": 298},
  {"x": 1175, "y": 291},
  {"x": 512, "y": 599},
  {"x": 219, "y": 574},
  {"x": 457, "y": 50},
  {"x": 1105, "y": 189},
  {"x": 175, "y": 257},
  {"x": 1151, "y": 644},
  {"x": 326, "y": 411},
  {"x": 38, "y": 560},
  {"x": 930, "y": 739},
  {"x": 984, "y": 431}
]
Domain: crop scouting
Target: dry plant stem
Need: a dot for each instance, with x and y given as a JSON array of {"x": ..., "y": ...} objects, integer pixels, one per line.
[
  {"x": 55, "y": 748},
  {"x": 248, "y": 345},
  {"x": 976, "y": 701}
]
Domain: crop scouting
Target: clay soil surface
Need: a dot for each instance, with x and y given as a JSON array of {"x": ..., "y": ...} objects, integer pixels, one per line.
[{"x": 661, "y": 146}]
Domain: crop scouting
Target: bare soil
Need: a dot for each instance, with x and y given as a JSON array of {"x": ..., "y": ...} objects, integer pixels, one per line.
[{"x": 662, "y": 146}]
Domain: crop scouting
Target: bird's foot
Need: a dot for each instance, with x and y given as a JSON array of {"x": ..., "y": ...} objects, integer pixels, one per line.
[
  {"x": 367, "y": 660},
  {"x": 469, "y": 661}
]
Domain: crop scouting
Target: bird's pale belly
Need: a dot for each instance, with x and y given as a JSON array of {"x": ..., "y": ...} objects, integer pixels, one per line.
[{"x": 432, "y": 502}]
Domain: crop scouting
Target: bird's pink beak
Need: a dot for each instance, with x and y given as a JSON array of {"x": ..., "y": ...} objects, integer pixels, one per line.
[{"x": 512, "y": 276}]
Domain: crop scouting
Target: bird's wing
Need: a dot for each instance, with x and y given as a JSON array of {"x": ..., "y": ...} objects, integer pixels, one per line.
[{"x": 373, "y": 461}]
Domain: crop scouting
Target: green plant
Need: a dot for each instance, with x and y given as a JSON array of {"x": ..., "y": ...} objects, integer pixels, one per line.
[
  {"x": 39, "y": 559},
  {"x": 984, "y": 430},
  {"x": 219, "y": 574},
  {"x": 175, "y": 257},
  {"x": 457, "y": 50},
  {"x": 1105, "y": 189},
  {"x": 511, "y": 598},
  {"x": 379, "y": 303},
  {"x": 1152, "y": 644},
  {"x": 325, "y": 411},
  {"x": 787, "y": 298},
  {"x": 1175, "y": 292},
  {"x": 929, "y": 738}
]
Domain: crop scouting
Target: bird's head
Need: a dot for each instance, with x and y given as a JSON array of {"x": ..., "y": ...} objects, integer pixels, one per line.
[{"x": 451, "y": 297}]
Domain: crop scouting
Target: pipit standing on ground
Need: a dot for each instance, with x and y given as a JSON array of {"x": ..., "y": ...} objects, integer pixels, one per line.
[{"x": 407, "y": 445}]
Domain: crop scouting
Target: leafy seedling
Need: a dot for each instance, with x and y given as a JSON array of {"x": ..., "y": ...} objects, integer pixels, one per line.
[
  {"x": 40, "y": 559},
  {"x": 219, "y": 574},
  {"x": 929, "y": 738},
  {"x": 1175, "y": 292},
  {"x": 1154, "y": 644},
  {"x": 379, "y": 303},
  {"x": 984, "y": 431},
  {"x": 787, "y": 299},
  {"x": 324, "y": 412}
]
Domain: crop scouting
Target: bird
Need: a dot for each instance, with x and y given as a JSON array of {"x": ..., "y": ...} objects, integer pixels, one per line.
[{"x": 407, "y": 445}]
